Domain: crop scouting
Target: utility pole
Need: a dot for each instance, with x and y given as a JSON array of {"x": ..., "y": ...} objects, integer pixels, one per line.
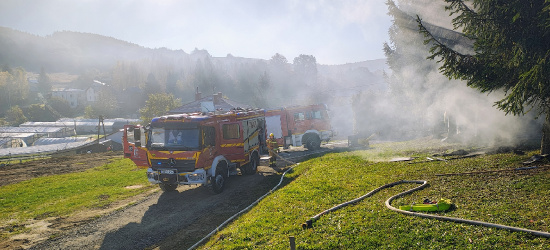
[{"x": 99, "y": 126}]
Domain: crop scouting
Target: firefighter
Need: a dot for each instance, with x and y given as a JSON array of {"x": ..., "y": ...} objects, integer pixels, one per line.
[{"x": 273, "y": 146}]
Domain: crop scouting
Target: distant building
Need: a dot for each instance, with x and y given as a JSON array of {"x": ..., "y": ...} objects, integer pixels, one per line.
[
  {"x": 27, "y": 138},
  {"x": 80, "y": 97},
  {"x": 92, "y": 95},
  {"x": 51, "y": 141},
  {"x": 82, "y": 126},
  {"x": 33, "y": 85},
  {"x": 93, "y": 92},
  {"x": 12, "y": 143},
  {"x": 73, "y": 96},
  {"x": 52, "y": 132}
]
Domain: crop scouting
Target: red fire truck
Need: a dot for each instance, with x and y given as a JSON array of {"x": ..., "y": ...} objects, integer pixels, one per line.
[
  {"x": 300, "y": 125},
  {"x": 197, "y": 148}
]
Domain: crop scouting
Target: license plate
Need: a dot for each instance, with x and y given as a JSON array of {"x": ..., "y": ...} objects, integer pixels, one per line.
[{"x": 167, "y": 171}]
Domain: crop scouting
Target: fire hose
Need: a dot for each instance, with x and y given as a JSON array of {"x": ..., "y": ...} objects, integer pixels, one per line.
[{"x": 309, "y": 223}]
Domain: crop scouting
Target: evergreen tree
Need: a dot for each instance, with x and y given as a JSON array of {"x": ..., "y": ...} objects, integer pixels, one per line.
[
  {"x": 305, "y": 67},
  {"x": 44, "y": 84},
  {"x": 199, "y": 77},
  {"x": 263, "y": 87},
  {"x": 278, "y": 62},
  {"x": 39, "y": 113},
  {"x": 172, "y": 84},
  {"x": 107, "y": 105},
  {"x": 152, "y": 85},
  {"x": 511, "y": 51},
  {"x": 280, "y": 76},
  {"x": 61, "y": 106},
  {"x": 14, "y": 88},
  {"x": 89, "y": 113},
  {"x": 15, "y": 116},
  {"x": 211, "y": 76}
]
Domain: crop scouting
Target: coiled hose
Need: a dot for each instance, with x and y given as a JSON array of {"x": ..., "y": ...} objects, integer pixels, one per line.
[{"x": 309, "y": 223}]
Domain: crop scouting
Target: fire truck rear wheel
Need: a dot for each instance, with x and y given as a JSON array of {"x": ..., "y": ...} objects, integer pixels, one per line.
[
  {"x": 313, "y": 143},
  {"x": 218, "y": 180},
  {"x": 168, "y": 187},
  {"x": 252, "y": 166}
]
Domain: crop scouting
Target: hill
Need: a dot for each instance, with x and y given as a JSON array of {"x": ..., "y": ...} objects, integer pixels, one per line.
[
  {"x": 76, "y": 52},
  {"x": 68, "y": 51}
]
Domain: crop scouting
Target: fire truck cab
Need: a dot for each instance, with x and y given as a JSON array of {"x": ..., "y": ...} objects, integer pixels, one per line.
[{"x": 197, "y": 148}]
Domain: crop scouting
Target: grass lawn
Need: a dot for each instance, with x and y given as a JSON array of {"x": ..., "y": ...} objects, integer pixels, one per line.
[
  {"x": 513, "y": 198},
  {"x": 62, "y": 195}
]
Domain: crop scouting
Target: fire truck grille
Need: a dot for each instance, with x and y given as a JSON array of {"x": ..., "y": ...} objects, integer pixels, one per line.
[{"x": 180, "y": 165}]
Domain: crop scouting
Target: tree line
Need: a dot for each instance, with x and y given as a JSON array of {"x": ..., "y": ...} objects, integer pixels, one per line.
[{"x": 129, "y": 86}]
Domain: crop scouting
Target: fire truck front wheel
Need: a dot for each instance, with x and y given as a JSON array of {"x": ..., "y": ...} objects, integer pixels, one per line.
[
  {"x": 166, "y": 187},
  {"x": 218, "y": 180}
]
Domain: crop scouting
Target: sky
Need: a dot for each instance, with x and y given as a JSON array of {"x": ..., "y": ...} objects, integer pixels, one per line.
[{"x": 334, "y": 31}]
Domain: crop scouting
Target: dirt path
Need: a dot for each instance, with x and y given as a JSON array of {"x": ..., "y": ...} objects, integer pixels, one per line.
[{"x": 179, "y": 218}]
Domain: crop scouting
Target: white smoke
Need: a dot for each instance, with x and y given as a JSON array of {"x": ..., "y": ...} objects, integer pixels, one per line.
[{"x": 421, "y": 101}]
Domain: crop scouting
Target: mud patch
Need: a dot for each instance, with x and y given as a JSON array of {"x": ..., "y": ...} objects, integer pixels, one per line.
[{"x": 134, "y": 187}]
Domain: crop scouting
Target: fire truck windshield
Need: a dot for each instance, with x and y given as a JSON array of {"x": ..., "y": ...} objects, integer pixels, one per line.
[{"x": 175, "y": 139}]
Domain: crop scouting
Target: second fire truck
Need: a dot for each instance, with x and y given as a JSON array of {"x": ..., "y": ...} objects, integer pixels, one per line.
[{"x": 298, "y": 126}]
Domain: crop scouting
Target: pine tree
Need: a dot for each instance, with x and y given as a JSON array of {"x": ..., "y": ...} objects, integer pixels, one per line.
[
  {"x": 511, "y": 52},
  {"x": 44, "y": 84}
]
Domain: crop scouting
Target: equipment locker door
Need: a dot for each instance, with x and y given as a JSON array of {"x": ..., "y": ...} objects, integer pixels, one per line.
[
  {"x": 132, "y": 140},
  {"x": 232, "y": 143}
]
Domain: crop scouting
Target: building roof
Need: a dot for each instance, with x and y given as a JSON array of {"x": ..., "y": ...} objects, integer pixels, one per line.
[
  {"x": 5, "y": 140},
  {"x": 20, "y": 135},
  {"x": 219, "y": 102},
  {"x": 96, "y": 121},
  {"x": 44, "y": 148},
  {"x": 65, "y": 140},
  {"x": 19, "y": 130},
  {"x": 68, "y": 124},
  {"x": 67, "y": 90}
]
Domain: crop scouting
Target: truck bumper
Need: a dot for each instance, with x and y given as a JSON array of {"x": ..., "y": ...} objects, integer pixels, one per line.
[{"x": 171, "y": 176}]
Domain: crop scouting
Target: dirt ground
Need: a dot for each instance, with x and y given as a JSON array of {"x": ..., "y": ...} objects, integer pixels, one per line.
[
  {"x": 156, "y": 220},
  {"x": 16, "y": 172}
]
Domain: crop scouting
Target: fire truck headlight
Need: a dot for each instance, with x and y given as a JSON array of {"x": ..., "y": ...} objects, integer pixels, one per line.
[
  {"x": 195, "y": 177},
  {"x": 151, "y": 175}
]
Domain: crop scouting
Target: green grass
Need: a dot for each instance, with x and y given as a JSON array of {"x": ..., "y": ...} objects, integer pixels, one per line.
[
  {"x": 62, "y": 195},
  {"x": 517, "y": 198}
]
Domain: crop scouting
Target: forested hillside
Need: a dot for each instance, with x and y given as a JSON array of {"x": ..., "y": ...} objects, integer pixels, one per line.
[{"x": 133, "y": 72}]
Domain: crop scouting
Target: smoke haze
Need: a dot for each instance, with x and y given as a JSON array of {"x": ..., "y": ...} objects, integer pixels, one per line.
[{"x": 420, "y": 101}]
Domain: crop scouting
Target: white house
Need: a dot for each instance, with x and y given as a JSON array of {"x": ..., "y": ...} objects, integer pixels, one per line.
[
  {"x": 92, "y": 95},
  {"x": 72, "y": 96}
]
